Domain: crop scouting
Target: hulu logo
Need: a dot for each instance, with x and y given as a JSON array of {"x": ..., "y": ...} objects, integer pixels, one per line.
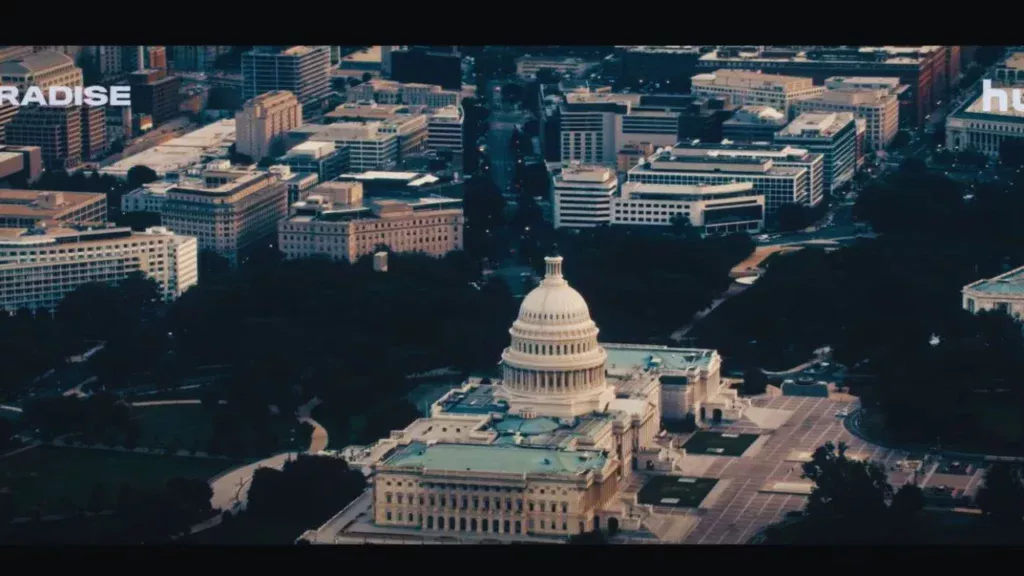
[{"x": 1001, "y": 96}]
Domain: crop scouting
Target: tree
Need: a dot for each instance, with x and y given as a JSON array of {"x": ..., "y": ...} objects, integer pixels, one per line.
[
  {"x": 792, "y": 217},
  {"x": 309, "y": 489},
  {"x": 1001, "y": 497},
  {"x": 139, "y": 175},
  {"x": 367, "y": 76},
  {"x": 844, "y": 488},
  {"x": 907, "y": 502},
  {"x": 548, "y": 76},
  {"x": 86, "y": 60}
]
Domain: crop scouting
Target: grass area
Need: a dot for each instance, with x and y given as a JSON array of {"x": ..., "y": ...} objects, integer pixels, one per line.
[
  {"x": 10, "y": 415},
  {"x": 676, "y": 491},
  {"x": 719, "y": 444},
  {"x": 187, "y": 393},
  {"x": 768, "y": 259},
  {"x": 185, "y": 426},
  {"x": 243, "y": 530},
  {"x": 53, "y": 478}
]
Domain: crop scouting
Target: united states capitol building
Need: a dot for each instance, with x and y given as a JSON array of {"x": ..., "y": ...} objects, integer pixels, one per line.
[{"x": 546, "y": 451}]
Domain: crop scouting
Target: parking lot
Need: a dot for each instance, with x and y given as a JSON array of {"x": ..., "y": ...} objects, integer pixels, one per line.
[{"x": 741, "y": 509}]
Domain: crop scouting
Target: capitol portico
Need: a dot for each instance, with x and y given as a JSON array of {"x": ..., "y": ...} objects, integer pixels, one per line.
[{"x": 546, "y": 451}]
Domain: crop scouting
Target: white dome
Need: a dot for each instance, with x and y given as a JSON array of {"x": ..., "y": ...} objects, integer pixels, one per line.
[{"x": 554, "y": 302}]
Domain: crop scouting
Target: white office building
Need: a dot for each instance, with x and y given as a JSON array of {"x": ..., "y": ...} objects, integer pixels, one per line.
[
  {"x": 371, "y": 145},
  {"x": 780, "y": 155},
  {"x": 444, "y": 130},
  {"x": 38, "y": 267},
  {"x": 747, "y": 87},
  {"x": 713, "y": 209},
  {"x": 777, "y": 184},
  {"x": 589, "y": 124},
  {"x": 833, "y": 135},
  {"x": 583, "y": 196}
]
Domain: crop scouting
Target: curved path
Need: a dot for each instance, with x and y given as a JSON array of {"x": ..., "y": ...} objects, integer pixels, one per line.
[{"x": 231, "y": 488}]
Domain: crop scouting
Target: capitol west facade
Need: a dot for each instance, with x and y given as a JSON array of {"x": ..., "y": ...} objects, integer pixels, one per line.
[{"x": 546, "y": 451}]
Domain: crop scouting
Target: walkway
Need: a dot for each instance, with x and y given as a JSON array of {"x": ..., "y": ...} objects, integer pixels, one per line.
[{"x": 231, "y": 488}]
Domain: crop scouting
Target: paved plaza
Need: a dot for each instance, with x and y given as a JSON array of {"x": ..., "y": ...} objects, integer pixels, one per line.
[{"x": 742, "y": 507}]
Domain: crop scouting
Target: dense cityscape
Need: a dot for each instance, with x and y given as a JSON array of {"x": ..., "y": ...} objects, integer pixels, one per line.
[{"x": 336, "y": 295}]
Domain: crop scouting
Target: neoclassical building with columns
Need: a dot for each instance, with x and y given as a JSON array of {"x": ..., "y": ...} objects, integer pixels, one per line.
[{"x": 546, "y": 451}]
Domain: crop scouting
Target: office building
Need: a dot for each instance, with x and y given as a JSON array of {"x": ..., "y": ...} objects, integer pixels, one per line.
[
  {"x": 588, "y": 123},
  {"x": 444, "y": 130},
  {"x": 711, "y": 208},
  {"x": 36, "y": 209},
  {"x": 582, "y": 196},
  {"x": 110, "y": 61},
  {"x": 1004, "y": 293},
  {"x": 15, "y": 52},
  {"x": 528, "y": 66},
  {"x": 781, "y": 155},
  {"x": 754, "y": 124},
  {"x": 134, "y": 59},
  {"x": 261, "y": 124},
  {"x": 423, "y": 65},
  {"x": 147, "y": 198},
  {"x": 631, "y": 154},
  {"x": 391, "y": 92},
  {"x": 230, "y": 212},
  {"x": 39, "y": 267},
  {"x": 777, "y": 184},
  {"x": 209, "y": 143},
  {"x": 57, "y": 131},
  {"x": 42, "y": 69},
  {"x": 325, "y": 159},
  {"x": 878, "y": 108},
  {"x": 371, "y": 145},
  {"x": 408, "y": 123},
  {"x": 748, "y": 87},
  {"x": 20, "y": 165},
  {"x": 156, "y": 94},
  {"x": 833, "y": 135},
  {"x": 971, "y": 128},
  {"x": 350, "y": 230},
  {"x": 305, "y": 71},
  {"x": 927, "y": 71}
]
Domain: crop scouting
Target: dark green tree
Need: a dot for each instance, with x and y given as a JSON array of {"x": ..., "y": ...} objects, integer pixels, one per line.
[{"x": 1001, "y": 496}]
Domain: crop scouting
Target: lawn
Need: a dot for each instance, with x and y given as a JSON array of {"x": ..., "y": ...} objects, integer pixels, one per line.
[
  {"x": 190, "y": 427},
  {"x": 719, "y": 444},
  {"x": 675, "y": 491},
  {"x": 49, "y": 477}
]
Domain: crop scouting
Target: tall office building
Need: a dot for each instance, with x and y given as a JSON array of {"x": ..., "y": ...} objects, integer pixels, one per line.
[
  {"x": 833, "y": 135},
  {"x": 444, "y": 130},
  {"x": 305, "y": 71},
  {"x": 39, "y": 267},
  {"x": 588, "y": 123},
  {"x": 42, "y": 69},
  {"x": 261, "y": 124},
  {"x": 582, "y": 196},
  {"x": 155, "y": 93},
  {"x": 230, "y": 212},
  {"x": 56, "y": 131}
]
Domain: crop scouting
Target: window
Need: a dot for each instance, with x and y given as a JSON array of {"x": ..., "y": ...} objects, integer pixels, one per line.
[
  {"x": 387, "y": 497},
  {"x": 389, "y": 515}
]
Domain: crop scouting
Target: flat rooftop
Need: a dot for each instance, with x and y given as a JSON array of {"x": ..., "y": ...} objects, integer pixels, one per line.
[
  {"x": 479, "y": 400},
  {"x": 862, "y": 55},
  {"x": 209, "y": 141},
  {"x": 626, "y": 357},
  {"x": 976, "y": 108},
  {"x": 497, "y": 458},
  {"x": 1010, "y": 283},
  {"x": 27, "y": 202},
  {"x": 366, "y": 55},
  {"x": 824, "y": 124}
]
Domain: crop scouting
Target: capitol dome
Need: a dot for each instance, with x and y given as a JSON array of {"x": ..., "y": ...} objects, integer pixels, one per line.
[{"x": 554, "y": 364}]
